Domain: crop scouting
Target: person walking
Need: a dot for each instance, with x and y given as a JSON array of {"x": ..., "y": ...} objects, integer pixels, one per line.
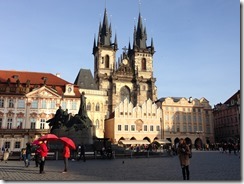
[
  {"x": 83, "y": 150},
  {"x": 184, "y": 152},
  {"x": 23, "y": 155},
  {"x": 43, "y": 150},
  {"x": 28, "y": 154},
  {"x": 66, "y": 155},
  {"x": 37, "y": 155}
]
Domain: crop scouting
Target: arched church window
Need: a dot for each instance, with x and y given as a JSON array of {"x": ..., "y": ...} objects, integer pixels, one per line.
[
  {"x": 106, "y": 61},
  {"x": 143, "y": 64},
  {"x": 97, "y": 107},
  {"x": 124, "y": 93},
  {"x": 88, "y": 106}
]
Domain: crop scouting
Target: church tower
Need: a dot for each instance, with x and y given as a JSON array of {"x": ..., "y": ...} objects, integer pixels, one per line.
[
  {"x": 104, "y": 52},
  {"x": 131, "y": 76},
  {"x": 141, "y": 57}
]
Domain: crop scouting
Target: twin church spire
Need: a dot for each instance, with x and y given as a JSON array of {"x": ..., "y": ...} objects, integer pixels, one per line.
[{"x": 105, "y": 34}]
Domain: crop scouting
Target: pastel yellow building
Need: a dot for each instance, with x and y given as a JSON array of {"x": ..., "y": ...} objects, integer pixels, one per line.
[
  {"x": 134, "y": 123},
  {"x": 187, "y": 118}
]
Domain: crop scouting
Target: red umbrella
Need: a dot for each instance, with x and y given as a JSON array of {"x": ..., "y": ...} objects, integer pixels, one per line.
[
  {"x": 68, "y": 141},
  {"x": 36, "y": 142},
  {"x": 48, "y": 137}
]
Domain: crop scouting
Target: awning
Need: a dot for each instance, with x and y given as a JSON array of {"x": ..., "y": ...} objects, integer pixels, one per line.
[
  {"x": 134, "y": 142},
  {"x": 162, "y": 141}
]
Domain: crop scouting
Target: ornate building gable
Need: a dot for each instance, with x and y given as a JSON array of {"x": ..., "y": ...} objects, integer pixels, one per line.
[
  {"x": 43, "y": 92},
  {"x": 147, "y": 110}
]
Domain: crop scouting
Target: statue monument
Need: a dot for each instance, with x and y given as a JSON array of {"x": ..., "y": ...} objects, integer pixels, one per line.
[{"x": 77, "y": 127}]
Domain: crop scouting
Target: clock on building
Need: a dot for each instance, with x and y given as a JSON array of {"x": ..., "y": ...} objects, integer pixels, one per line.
[
  {"x": 69, "y": 89},
  {"x": 125, "y": 61}
]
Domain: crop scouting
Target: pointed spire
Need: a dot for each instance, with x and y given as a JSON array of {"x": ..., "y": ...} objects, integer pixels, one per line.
[
  {"x": 141, "y": 35},
  {"x": 152, "y": 46},
  {"x": 115, "y": 42},
  {"x": 106, "y": 31},
  {"x": 94, "y": 45}
]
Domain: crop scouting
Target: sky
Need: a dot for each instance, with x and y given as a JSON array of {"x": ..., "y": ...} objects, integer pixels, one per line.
[{"x": 197, "y": 42}]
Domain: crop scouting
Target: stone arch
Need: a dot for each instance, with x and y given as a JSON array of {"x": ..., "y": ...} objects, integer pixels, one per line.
[
  {"x": 198, "y": 144},
  {"x": 147, "y": 138}
]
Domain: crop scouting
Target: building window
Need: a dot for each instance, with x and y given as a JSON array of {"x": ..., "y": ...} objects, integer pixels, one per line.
[
  {"x": 189, "y": 118},
  {"x": 158, "y": 128},
  {"x": 74, "y": 105},
  {"x": 42, "y": 124},
  {"x": 7, "y": 145},
  {"x": 34, "y": 104},
  {"x": 11, "y": 103},
  {"x": 21, "y": 104},
  {"x": 106, "y": 61},
  {"x": 63, "y": 105},
  {"x": 1, "y": 103},
  {"x": 97, "y": 107},
  {"x": 132, "y": 127},
  {"x": 189, "y": 128},
  {"x": 119, "y": 127},
  {"x": 195, "y": 128},
  {"x": 33, "y": 123},
  {"x": 19, "y": 123},
  {"x": 200, "y": 119},
  {"x": 184, "y": 128},
  {"x": 88, "y": 106},
  {"x": 143, "y": 64},
  {"x": 1, "y": 123},
  {"x": 53, "y": 104},
  {"x": 145, "y": 128},
  {"x": 9, "y": 123},
  {"x": 126, "y": 128},
  {"x": 124, "y": 93},
  {"x": 44, "y": 104},
  {"x": 17, "y": 145},
  {"x": 151, "y": 128}
]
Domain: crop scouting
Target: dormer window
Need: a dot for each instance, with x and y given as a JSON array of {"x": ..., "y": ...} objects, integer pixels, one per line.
[{"x": 16, "y": 77}]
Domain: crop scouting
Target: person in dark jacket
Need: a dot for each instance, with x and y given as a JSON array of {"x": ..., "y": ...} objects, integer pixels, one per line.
[
  {"x": 184, "y": 152},
  {"x": 28, "y": 154}
]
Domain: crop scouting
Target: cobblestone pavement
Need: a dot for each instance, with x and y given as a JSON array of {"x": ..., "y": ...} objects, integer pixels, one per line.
[{"x": 205, "y": 166}]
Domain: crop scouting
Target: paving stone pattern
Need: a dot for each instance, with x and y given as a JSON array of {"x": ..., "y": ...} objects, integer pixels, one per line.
[{"x": 204, "y": 166}]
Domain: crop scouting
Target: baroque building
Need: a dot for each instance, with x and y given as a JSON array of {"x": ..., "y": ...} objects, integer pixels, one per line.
[
  {"x": 188, "y": 119},
  {"x": 27, "y": 101}
]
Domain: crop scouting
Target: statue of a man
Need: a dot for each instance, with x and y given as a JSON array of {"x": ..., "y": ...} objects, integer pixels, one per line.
[{"x": 82, "y": 110}]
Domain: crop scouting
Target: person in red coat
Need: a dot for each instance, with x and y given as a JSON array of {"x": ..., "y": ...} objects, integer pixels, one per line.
[
  {"x": 66, "y": 155},
  {"x": 43, "y": 150}
]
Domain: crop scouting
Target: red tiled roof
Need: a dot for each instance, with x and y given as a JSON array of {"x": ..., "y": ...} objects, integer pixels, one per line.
[{"x": 34, "y": 77}]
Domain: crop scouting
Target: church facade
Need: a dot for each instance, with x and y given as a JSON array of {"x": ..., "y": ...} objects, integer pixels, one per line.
[{"x": 129, "y": 79}]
